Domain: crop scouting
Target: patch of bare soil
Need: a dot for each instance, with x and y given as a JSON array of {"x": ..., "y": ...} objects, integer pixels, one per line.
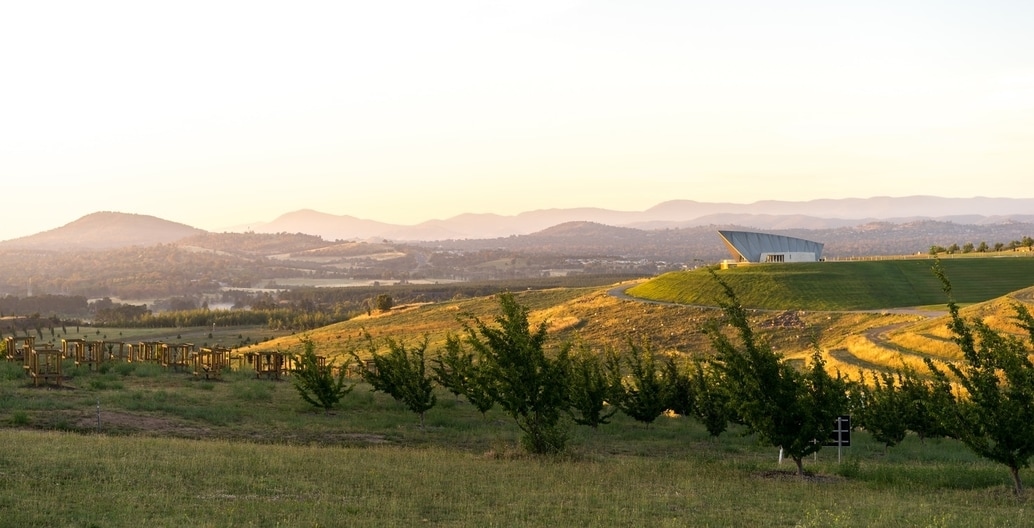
[
  {"x": 788, "y": 476},
  {"x": 129, "y": 423}
]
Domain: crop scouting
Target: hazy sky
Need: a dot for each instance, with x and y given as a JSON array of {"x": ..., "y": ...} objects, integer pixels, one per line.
[{"x": 219, "y": 114}]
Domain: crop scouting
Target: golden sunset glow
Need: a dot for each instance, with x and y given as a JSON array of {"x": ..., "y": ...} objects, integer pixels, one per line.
[{"x": 217, "y": 114}]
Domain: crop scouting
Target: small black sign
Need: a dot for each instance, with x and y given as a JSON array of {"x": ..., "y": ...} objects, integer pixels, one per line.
[{"x": 841, "y": 435}]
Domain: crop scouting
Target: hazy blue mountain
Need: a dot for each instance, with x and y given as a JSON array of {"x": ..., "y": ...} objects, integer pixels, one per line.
[
  {"x": 764, "y": 215},
  {"x": 110, "y": 229}
]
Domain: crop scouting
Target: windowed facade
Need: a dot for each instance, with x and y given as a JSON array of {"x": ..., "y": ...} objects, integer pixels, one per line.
[{"x": 752, "y": 247}]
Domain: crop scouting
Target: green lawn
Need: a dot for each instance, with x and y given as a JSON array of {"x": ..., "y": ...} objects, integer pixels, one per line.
[{"x": 865, "y": 285}]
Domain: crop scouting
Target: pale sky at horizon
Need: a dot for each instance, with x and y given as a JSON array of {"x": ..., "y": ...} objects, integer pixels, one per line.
[{"x": 219, "y": 114}]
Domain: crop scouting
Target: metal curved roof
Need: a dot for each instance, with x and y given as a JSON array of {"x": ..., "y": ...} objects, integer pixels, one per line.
[{"x": 749, "y": 246}]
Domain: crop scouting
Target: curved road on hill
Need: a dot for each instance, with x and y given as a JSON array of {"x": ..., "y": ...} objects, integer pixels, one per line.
[{"x": 875, "y": 335}]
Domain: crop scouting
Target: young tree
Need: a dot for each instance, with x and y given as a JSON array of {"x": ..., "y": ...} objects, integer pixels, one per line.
[
  {"x": 316, "y": 382},
  {"x": 710, "y": 399},
  {"x": 642, "y": 393},
  {"x": 679, "y": 383},
  {"x": 525, "y": 382},
  {"x": 590, "y": 390},
  {"x": 784, "y": 407},
  {"x": 402, "y": 374},
  {"x": 883, "y": 411},
  {"x": 922, "y": 405},
  {"x": 995, "y": 417},
  {"x": 456, "y": 370}
]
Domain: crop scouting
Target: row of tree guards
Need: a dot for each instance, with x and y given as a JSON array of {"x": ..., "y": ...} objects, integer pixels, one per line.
[{"x": 44, "y": 362}]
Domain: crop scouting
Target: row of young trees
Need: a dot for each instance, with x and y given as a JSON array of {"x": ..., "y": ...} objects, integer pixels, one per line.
[
  {"x": 983, "y": 247},
  {"x": 987, "y": 401},
  {"x": 504, "y": 363}
]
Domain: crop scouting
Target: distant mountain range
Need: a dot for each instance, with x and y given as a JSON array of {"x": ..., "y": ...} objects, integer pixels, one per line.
[
  {"x": 822, "y": 220},
  {"x": 764, "y": 215}
]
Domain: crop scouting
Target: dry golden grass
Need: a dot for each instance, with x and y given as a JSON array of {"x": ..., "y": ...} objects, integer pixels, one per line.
[
  {"x": 593, "y": 318},
  {"x": 937, "y": 346}
]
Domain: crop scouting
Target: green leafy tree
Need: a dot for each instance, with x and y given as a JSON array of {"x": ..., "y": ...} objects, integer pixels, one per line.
[
  {"x": 456, "y": 370},
  {"x": 384, "y": 302},
  {"x": 995, "y": 415},
  {"x": 784, "y": 407},
  {"x": 883, "y": 411},
  {"x": 679, "y": 383},
  {"x": 590, "y": 390},
  {"x": 923, "y": 404},
  {"x": 710, "y": 399},
  {"x": 402, "y": 374},
  {"x": 528, "y": 384},
  {"x": 641, "y": 394},
  {"x": 316, "y": 381}
]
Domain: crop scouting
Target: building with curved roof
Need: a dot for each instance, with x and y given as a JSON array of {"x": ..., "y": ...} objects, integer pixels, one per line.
[{"x": 747, "y": 246}]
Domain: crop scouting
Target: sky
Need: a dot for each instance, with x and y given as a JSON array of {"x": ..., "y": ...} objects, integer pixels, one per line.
[{"x": 221, "y": 114}]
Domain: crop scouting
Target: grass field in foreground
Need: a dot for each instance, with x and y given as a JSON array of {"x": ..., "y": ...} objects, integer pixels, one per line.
[
  {"x": 868, "y": 285},
  {"x": 140, "y": 444},
  {"x": 60, "y": 479}
]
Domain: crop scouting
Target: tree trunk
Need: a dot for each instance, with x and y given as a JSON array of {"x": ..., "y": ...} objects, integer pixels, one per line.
[
  {"x": 800, "y": 465},
  {"x": 1017, "y": 483}
]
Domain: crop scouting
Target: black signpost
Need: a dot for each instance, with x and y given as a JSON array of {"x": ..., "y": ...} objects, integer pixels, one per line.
[{"x": 841, "y": 435}]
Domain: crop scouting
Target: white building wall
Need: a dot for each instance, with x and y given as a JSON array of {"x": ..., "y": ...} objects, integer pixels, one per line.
[{"x": 791, "y": 256}]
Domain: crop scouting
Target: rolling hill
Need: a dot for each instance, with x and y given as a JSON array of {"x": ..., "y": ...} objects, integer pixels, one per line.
[
  {"x": 862, "y": 285},
  {"x": 105, "y": 230}
]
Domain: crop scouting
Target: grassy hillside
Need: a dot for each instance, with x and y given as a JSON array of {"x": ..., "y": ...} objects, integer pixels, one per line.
[
  {"x": 869, "y": 285},
  {"x": 593, "y": 318},
  {"x": 851, "y": 339}
]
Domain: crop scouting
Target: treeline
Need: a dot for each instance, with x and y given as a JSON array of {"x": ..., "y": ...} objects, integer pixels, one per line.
[
  {"x": 128, "y": 316},
  {"x": 251, "y": 243},
  {"x": 64, "y": 305},
  {"x": 129, "y": 273},
  {"x": 983, "y": 247},
  {"x": 404, "y": 293}
]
